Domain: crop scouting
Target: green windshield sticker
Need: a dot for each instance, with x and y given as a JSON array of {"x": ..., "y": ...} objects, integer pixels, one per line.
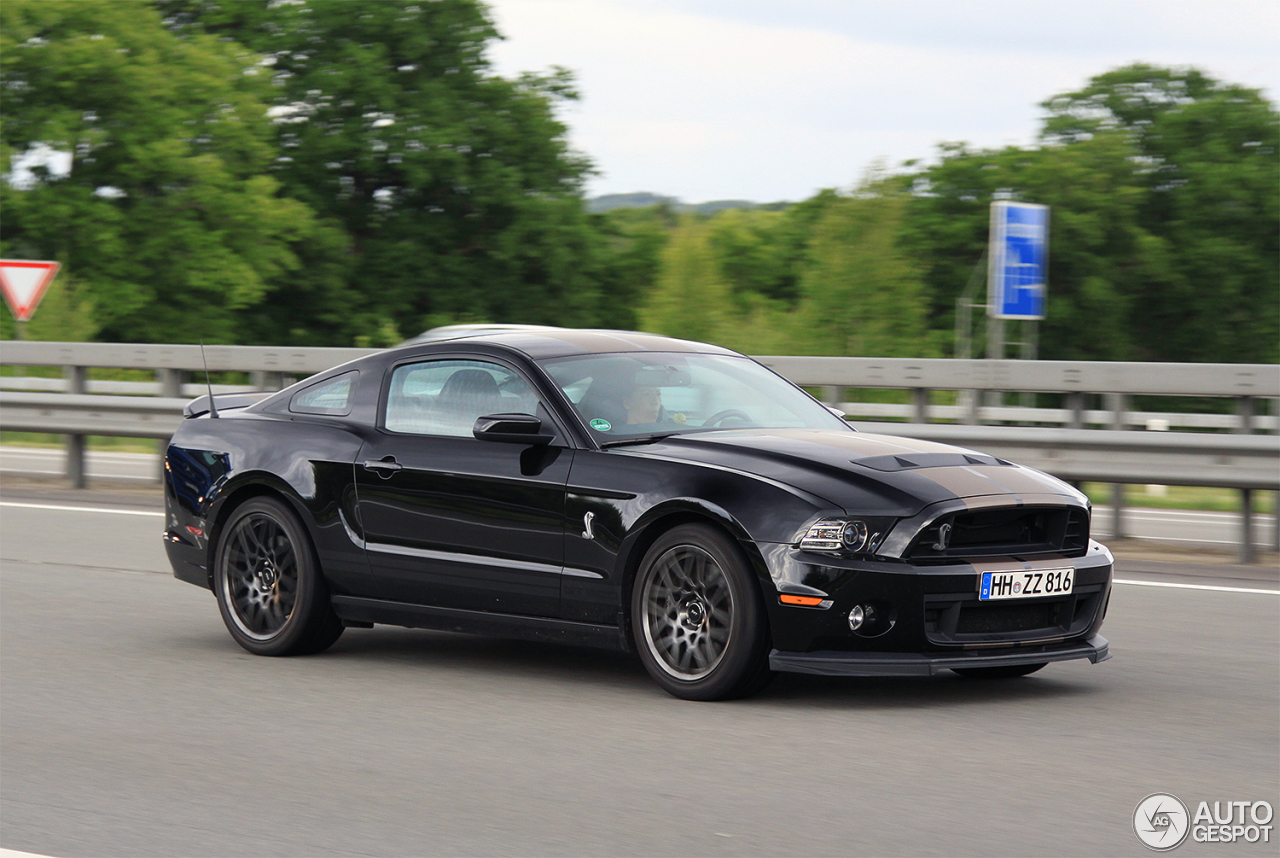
[{"x": 601, "y": 425}]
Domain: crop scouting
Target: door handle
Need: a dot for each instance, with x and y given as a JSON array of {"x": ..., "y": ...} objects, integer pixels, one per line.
[{"x": 385, "y": 467}]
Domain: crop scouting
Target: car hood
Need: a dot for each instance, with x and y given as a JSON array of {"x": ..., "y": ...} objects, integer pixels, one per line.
[{"x": 861, "y": 472}]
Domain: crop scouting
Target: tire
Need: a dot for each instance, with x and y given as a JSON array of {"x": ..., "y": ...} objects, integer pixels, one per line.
[
  {"x": 270, "y": 592},
  {"x": 697, "y": 617},
  {"x": 1009, "y": 672}
]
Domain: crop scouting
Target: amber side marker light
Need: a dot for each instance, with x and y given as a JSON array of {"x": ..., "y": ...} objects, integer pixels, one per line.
[{"x": 804, "y": 601}]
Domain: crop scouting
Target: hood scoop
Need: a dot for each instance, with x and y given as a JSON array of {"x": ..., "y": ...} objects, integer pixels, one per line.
[{"x": 915, "y": 461}]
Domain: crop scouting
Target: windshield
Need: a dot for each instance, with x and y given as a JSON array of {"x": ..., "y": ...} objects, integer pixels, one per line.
[{"x": 639, "y": 395}]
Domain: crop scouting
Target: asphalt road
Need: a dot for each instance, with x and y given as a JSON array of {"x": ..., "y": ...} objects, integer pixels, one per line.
[{"x": 130, "y": 724}]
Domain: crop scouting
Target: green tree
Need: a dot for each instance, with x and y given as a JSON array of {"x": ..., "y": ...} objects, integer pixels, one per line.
[
  {"x": 726, "y": 279},
  {"x": 166, "y": 220},
  {"x": 860, "y": 294},
  {"x": 1207, "y": 154},
  {"x": 456, "y": 187},
  {"x": 690, "y": 300},
  {"x": 631, "y": 244},
  {"x": 1097, "y": 250},
  {"x": 1164, "y": 226}
]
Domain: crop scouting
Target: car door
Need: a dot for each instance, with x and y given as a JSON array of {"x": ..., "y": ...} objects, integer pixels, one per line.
[{"x": 452, "y": 521}]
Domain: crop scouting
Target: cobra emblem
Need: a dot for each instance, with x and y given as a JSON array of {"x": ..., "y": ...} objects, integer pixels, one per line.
[
  {"x": 588, "y": 532},
  {"x": 944, "y": 537}
]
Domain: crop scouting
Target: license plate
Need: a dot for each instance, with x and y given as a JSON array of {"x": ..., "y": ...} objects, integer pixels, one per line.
[{"x": 1020, "y": 585}]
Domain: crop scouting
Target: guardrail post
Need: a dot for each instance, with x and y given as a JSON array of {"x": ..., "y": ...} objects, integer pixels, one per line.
[
  {"x": 1075, "y": 405},
  {"x": 1118, "y": 405},
  {"x": 1275, "y": 496},
  {"x": 171, "y": 381},
  {"x": 263, "y": 379},
  {"x": 77, "y": 377},
  {"x": 1244, "y": 408},
  {"x": 921, "y": 398},
  {"x": 830, "y": 394}
]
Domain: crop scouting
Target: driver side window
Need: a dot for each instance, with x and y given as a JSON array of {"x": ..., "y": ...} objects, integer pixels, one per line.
[{"x": 444, "y": 397}]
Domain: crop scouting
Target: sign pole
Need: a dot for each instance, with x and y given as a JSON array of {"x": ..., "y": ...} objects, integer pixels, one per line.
[{"x": 995, "y": 351}]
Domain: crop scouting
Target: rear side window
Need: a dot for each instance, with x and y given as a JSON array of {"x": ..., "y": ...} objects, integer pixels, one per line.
[{"x": 331, "y": 396}]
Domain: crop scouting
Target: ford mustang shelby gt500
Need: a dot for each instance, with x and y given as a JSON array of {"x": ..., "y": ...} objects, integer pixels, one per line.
[{"x": 630, "y": 491}]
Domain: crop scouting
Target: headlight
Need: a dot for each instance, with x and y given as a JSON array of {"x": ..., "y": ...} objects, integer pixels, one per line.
[{"x": 837, "y": 535}]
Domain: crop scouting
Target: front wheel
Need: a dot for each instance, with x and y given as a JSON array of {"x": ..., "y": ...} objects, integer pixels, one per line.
[
  {"x": 698, "y": 618},
  {"x": 268, "y": 583},
  {"x": 1009, "y": 672}
]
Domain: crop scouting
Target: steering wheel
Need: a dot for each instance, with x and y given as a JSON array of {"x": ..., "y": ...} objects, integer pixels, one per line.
[{"x": 728, "y": 414}]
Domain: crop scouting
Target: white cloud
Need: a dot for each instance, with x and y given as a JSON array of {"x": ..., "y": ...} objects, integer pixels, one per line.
[{"x": 771, "y": 100}]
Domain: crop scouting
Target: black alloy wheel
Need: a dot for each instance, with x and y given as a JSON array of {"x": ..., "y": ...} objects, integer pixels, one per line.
[
  {"x": 1009, "y": 672},
  {"x": 270, "y": 592},
  {"x": 698, "y": 619}
]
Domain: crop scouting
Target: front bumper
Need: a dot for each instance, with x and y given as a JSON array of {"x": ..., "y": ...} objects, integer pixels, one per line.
[
  {"x": 830, "y": 663},
  {"x": 928, "y": 611}
]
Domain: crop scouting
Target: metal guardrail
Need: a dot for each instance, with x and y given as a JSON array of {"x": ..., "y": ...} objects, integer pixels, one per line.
[
  {"x": 1087, "y": 455},
  {"x": 90, "y": 414},
  {"x": 303, "y": 361},
  {"x": 1241, "y": 460},
  {"x": 855, "y": 410}
]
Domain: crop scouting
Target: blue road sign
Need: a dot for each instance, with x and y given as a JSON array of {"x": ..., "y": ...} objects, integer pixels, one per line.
[{"x": 1019, "y": 260}]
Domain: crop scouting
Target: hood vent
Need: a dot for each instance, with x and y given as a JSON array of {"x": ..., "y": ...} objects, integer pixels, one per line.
[{"x": 927, "y": 460}]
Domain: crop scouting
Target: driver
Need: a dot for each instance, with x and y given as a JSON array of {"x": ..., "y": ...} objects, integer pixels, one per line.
[{"x": 643, "y": 404}]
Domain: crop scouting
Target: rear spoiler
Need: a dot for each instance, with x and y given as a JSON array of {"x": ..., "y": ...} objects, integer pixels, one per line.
[{"x": 224, "y": 401}]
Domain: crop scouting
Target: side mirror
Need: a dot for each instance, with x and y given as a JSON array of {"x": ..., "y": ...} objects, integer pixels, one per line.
[{"x": 511, "y": 429}]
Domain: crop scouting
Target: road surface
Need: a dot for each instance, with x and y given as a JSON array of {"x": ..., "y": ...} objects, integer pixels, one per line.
[{"x": 130, "y": 724}]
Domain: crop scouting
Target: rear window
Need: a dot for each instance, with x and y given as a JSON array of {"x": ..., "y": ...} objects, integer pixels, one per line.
[{"x": 331, "y": 396}]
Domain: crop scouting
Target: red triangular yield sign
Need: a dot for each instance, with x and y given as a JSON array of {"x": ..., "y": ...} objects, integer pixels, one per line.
[{"x": 23, "y": 283}]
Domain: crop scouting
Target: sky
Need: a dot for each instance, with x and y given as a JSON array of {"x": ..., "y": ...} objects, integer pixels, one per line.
[{"x": 770, "y": 100}]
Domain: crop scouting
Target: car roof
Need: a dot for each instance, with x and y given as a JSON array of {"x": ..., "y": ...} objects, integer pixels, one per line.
[
  {"x": 568, "y": 342},
  {"x": 453, "y": 332}
]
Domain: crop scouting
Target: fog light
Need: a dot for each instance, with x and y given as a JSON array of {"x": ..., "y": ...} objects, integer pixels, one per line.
[{"x": 862, "y": 618}]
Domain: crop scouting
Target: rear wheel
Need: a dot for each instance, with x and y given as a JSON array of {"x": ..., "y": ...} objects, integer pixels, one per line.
[
  {"x": 999, "y": 672},
  {"x": 270, "y": 592},
  {"x": 697, "y": 616}
]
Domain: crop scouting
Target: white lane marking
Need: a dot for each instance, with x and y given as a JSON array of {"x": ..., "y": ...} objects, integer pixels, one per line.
[
  {"x": 1175, "y": 586},
  {"x": 83, "y": 509},
  {"x": 1108, "y": 535},
  {"x": 1193, "y": 517},
  {"x": 13, "y": 853},
  {"x": 91, "y": 475},
  {"x": 46, "y": 452}
]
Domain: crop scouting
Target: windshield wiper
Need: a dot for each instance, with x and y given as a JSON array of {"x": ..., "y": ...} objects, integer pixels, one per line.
[{"x": 642, "y": 439}]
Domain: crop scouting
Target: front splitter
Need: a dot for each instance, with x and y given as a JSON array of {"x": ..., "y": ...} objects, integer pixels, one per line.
[{"x": 832, "y": 663}]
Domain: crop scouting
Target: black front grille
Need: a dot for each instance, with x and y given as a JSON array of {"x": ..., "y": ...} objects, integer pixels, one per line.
[
  {"x": 957, "y": 619},
  {"x": 985, "y": 619},
  {"x": 1019, "y": 531}
]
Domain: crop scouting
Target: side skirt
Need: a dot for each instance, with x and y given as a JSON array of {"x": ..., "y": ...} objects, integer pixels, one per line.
[{"x": 358, "y": 610}]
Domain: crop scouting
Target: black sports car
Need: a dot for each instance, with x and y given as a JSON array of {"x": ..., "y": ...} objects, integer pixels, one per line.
[{"x": 628, "y": 491}]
